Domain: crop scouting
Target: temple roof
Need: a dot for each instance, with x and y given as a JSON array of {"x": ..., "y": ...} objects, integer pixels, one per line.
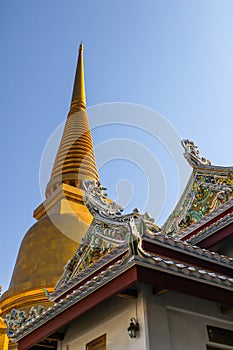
[
  {"x": 83, "y": 287},
  {"x": 108, "y": 235},
  {"x": 209, "y": 188},
  {"x": 117, "y": 251}
]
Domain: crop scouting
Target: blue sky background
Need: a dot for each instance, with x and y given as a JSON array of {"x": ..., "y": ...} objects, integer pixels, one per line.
[{"x": 175, "y": 57}]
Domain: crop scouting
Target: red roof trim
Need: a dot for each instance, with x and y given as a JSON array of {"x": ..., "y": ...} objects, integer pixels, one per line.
[
  {"x": 217, "y": 237},
  {"x": 207, "y": 224},
  {"x": 187, "y": 257},
  {"x": 159, "y": 280}
]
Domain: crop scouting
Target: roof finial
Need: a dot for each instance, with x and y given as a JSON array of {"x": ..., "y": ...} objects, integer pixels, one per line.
[
  {"x": 78, "y": 101},
  {"x": 192, "y": 154}
]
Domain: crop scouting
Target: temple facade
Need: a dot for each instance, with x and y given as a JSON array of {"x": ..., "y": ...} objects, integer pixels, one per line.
[{"x": 101, "y": 279}]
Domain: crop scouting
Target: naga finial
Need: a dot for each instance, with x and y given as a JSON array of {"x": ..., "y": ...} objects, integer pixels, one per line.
[{"x": 192, "y": 154}]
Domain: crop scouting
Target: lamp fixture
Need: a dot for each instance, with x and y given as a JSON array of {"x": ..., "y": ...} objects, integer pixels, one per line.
[{"x": 133, "y": 328}]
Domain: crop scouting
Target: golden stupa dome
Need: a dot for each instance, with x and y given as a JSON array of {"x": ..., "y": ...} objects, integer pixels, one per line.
[
  {"x": 43, "y": 253},
  {"x": 45, "y": 250},
  {"x": 63, "y": 217}
]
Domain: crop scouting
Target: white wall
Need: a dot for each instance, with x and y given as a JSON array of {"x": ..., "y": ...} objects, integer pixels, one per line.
[
  {"x": 112, "y": 318},
  {"x": 183, "y": 321}
]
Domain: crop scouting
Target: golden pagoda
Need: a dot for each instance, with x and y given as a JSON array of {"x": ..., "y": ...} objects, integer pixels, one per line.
[{"x": 62, "y": 219}]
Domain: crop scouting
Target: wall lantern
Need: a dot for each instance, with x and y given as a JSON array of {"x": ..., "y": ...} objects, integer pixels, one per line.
[{"x": 133, "y": 328}]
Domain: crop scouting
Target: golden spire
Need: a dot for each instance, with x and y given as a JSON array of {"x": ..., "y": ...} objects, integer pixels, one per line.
[
  {"x": 78, "y": 101},
  {"x": 75, "y": 158},
  {"x": 63, "y": 218}
]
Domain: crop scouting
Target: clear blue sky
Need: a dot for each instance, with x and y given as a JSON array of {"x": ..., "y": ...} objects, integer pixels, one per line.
[{"x": 175, "y": 57}]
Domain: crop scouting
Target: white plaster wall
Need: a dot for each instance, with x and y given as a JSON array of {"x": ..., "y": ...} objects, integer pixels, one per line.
[
  {"x": 187, "y": 318},
  {"x": 189, "y": 330},
  {"x": 112, "y": 318},
  {"x": 159, "y": 337}
]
